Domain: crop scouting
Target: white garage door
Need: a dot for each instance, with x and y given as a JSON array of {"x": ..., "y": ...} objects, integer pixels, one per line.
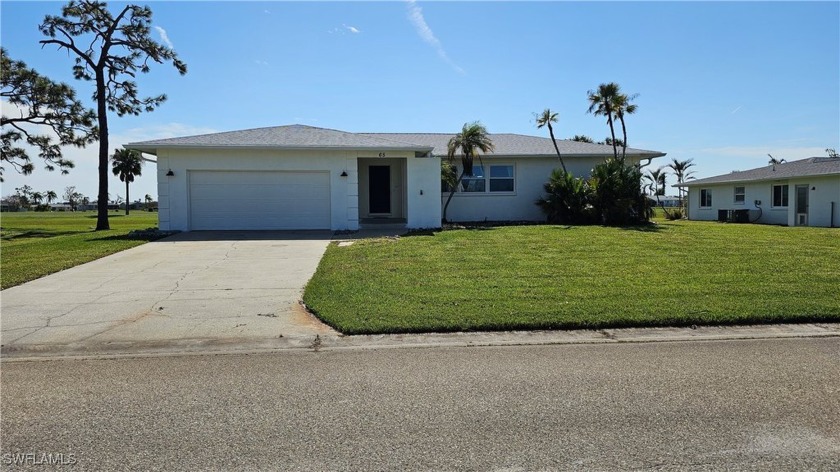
[{"x": 259, "y": 200}]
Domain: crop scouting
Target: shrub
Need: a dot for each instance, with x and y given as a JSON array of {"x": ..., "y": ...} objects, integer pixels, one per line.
[
  {"x": 611, "y": 196},
  {"x": 567, "y": 199}
]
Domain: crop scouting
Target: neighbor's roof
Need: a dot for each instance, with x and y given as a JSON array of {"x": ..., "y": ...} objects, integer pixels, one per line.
[
  {"x": 811, "y": 166},
  {"x": 309, "y": 137}
]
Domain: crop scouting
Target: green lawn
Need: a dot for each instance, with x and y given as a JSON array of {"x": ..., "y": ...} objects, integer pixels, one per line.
[
  {"x": 35, "y": 244},
  {"x": 529, "y": 277}
]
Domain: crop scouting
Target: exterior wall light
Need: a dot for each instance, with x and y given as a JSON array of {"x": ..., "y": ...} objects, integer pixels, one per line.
[
  {"x": 170, "y": 173},
  {"x": 344, "y": 173}
]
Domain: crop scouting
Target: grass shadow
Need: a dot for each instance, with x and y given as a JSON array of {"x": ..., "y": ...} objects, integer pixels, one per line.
[
  {"x": 644, "y": 228},
  {"x": 41, "y": 234}
]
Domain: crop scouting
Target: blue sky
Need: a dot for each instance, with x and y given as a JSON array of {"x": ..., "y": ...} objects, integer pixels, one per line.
[{"x": 724, "y": 83}]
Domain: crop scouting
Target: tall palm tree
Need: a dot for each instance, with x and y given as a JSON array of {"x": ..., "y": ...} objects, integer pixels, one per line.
[
  {"x": 621, "y": 105},
  {"x": 126, "y": 164},
  {"x": 51, "y": 196},
  {"x": 472, "y": 139},
  {"x": 682, "y": 173},
  {"x": 37, "y": 198},
  {"x": 545, "y": 119},
  {"x": 657, "y": 181},
  {"x": 601, "y": 103},
  {"x": 657, "y": 185}
]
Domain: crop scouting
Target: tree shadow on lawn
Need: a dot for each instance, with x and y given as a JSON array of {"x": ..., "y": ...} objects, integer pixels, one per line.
[
  {"x": 36, "y": 233},
  {"x": 645, "y": 228}
]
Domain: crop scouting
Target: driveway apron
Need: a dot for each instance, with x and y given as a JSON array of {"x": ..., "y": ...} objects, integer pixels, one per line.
[{"x": 223, "y": 286}]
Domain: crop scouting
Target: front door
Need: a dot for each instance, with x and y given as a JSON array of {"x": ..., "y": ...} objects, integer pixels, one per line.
[
  {"x": 801, "y": 205},
  {"x": 379, "y": 189}
]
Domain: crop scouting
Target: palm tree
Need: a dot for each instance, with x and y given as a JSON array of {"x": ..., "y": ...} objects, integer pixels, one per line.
[
  {"x": 621, "y": 105},
  {"x": 601, "y": 103},
  {"x": 37, "y": 198},
  {"x": 545, "y": 119},
  {"x": 682, "y": 173},
  {"x": 657, "y": 181},
  {"x": 582, "y": 138},
  {"x": 148, "y": 198},
  {"x": 773, "y": 161},
  {"x": 126, "y": 164},
  {"x": 51, "y": 196},
  {"x": 472, "y": 139}
]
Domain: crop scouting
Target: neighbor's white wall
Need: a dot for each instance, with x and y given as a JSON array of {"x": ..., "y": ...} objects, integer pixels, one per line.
[
  {"x": 173, "y": 192},
  {"x": 530, "y": 176},
  {"x": 826, "y": 190}
]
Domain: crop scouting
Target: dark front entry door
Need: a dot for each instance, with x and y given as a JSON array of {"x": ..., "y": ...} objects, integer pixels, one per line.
[{"x": 379, "y": 189}]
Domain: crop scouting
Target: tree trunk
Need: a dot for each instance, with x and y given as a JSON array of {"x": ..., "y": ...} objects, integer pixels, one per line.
[
  {"x": 102, "y": 116},
  {"x": 624, "y": 144},
  {"x": 127, "y": 200},
  {"x": 554, "y": 141},
  {"x": 451, "y": 193},
  {"x": 612, "y": 133}
]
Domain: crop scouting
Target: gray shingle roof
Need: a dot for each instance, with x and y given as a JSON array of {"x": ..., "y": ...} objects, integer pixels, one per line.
[
  {"x": 802, "y": 168},
  {"x": 508, "y": 144},
  {"x": 302, "y": 136},
  {"x": 292, "y": 136}
]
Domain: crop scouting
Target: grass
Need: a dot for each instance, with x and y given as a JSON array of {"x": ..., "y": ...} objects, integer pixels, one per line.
[
  {"x": 554, "y": 277},
  {"x": 35, "y": 244}
]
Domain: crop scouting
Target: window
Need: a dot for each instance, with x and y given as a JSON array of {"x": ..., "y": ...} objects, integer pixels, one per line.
[
  {"x": 705, "y": 197},
  {"x": 780, "y": 195},
  {"x": 499, "y": 179},
  {"x": 474, "y": 183},
  {"x": 739, "y": 195}
]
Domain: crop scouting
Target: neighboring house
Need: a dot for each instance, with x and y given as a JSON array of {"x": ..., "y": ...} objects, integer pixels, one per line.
[
  {"x": 302, "y": 177},
  {"x": 798, "y": 193},
  {"x": 665, "y": 200}
]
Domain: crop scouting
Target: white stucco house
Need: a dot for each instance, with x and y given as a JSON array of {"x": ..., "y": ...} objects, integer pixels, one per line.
[
  {"x": 303, "y": 177},
  {"x": 805, "y": 192}
]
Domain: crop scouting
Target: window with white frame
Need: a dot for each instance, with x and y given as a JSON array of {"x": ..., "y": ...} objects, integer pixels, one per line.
[
  {"x": 740, "y": 193},
  {"x": 705, "y": 197},
  {"x": 780, "y": 196},
  {"x": 499, "y": 179}
]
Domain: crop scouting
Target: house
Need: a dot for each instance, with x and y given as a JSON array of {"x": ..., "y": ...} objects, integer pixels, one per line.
[
  {"x": 797, "y": 193},
  {"x": 303, "y": 177}
]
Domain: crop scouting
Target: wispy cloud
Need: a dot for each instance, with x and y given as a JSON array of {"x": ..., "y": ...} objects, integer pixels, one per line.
[
  {"x": 415, "y": 15},
  {"x": 735, "y": 110},
  {"x": 164, "y": 37},
  {"x": 344, "y": 30},
  {"x": 261, "y": 63}
]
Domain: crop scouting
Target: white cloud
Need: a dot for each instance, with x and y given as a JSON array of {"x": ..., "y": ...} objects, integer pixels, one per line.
[
  {"x": 261, "y": 63},
  {"x": 352, "y": 29},
  {"x": 415, "y": 15},
  {"x": 735, "y": 110},
  {"x": 164, "y": 37}
]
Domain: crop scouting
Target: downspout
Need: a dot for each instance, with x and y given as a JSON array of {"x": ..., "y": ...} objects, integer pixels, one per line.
[{"x": 832, "y": 214}]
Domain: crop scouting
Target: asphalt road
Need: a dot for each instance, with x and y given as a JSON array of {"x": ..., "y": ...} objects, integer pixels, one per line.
[{"x": 751, "y": 405}]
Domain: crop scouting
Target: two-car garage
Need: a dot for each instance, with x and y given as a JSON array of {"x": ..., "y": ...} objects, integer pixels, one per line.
[{"x": 264, "y": 200}]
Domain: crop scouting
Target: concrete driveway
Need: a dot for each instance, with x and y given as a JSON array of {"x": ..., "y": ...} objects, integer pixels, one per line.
[{"x": 192, "y": 289}]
